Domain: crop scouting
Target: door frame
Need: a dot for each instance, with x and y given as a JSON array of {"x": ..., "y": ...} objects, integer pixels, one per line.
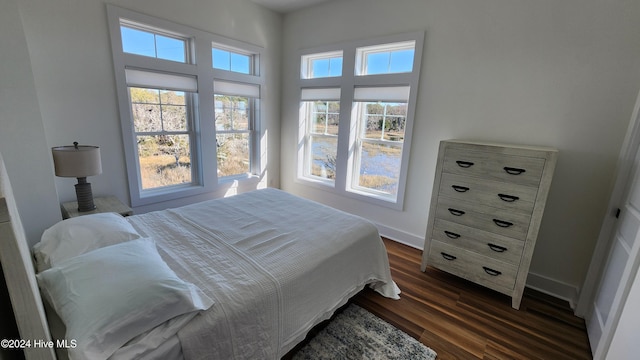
[{"x": 625, "y": 169}]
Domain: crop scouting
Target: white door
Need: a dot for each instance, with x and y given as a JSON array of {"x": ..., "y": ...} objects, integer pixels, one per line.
[
  {"x": 625, "y": 344},
  {"x": 619, "y": 272}
]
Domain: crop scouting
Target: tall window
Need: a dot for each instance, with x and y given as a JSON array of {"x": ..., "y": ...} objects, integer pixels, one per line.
[
  {"x": 320, "y": 111},
  {"x": 361, "y": 150},
  {"x": 381, "y": 118},
  {"x": 164, "y": 134},
  {"x": 178, "y": 143}
]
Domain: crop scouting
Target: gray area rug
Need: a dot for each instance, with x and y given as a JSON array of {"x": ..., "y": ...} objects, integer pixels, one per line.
[{"x": 357, "y": 334}]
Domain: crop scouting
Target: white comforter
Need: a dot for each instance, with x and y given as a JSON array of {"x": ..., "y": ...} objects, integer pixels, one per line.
[{"x": 275, "y": 264}]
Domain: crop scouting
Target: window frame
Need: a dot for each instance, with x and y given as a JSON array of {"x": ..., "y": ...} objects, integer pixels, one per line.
[
  {"x": 189, "y": 132},
  {"x": 310, "y": 135},
  {"x": 306, "y": 68},
  {"x": 253, "y": 104},
  {"x": 199, "y": 65},
  {"x": 346, "y": 161}
]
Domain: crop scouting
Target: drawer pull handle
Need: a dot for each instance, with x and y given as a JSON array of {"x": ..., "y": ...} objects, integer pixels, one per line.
[
  {"x": 456, "y": 212},
  {"x": 496, "y": 248},
  {"x": 502, "y": 223},
  {"x": 459, "y": 188},
  {"x": 447, "y": 256},
  {"x": 451, "y": 235},
  {"x": 464, "y": 164},
  {"x": 508, "y": 198},
  {"x": 513, "y": 171},
  {"x": 491, "y": 272}
]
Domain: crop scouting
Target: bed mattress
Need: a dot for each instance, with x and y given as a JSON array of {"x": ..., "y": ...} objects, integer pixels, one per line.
[{"x": 275, "y": 265}]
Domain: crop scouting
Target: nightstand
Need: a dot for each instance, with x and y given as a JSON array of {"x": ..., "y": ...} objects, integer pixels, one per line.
[{"x": 103, "y": 204}]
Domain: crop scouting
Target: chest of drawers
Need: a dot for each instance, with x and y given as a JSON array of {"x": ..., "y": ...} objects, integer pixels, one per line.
[{"x": 486, "y": 208}]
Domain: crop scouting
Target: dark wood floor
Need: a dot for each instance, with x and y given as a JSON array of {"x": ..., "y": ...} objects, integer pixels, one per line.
[{"x": 460, "y": 320}]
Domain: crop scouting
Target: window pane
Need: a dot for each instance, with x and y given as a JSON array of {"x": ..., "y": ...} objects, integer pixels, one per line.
[
  {"x": 377, "y": 63},
  {"x": 380, "y": 167},
  {"x": 146, "y": 96},
  {"x": 385, "y": 59},
  {"x": 335, "y": 66},
  {"x": 232, "y": 112},
  {"x": 233, "y": 154},
  {"x": 321, "y": 65},
  {"x": 164, "y": 160},
  {"x": 323, "y": 156},
  {"x": 320, "y": 68},
  {"x": 146, "y": 43},
  {"x": 221, "y": 59},
  {"x": 174, "y": 118},
  {"x": 150, "y": 114},
  {"x": 231, "y": 61},
  {"x": 401, "y": 61},
  {"x": 324, "y": 117},
  {"x": 170, "y": 48},
  {"x": 326, "y": 67},
  {"x": 240, "y": 63},
  {"x": 172, "y": 97},
  {"x": 383, "y": 121},
  {"x": 137, "y": 42},
  {"x": 146, "y": 118}
]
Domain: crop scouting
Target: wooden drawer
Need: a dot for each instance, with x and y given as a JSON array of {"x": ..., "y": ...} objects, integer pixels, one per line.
[
  {"x": 494, "y": 166},
  {"x": 494, "y": 220},
  {"x": 486, "y": 207},
  {"x": 480, "y": 269},
  {"x": 499, "y": 247},
  {"x": 498, "y": 194}
]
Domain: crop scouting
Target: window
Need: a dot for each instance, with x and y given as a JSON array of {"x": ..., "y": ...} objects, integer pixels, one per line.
[
  {"x": 183, "y": 133},
  {"x": 385, "y": 59},
  {"x": 380, "y": 138},
  {"x": 164, "y": 135},
  {"x": 320, "y": 111},
  {"x": 360, "y": 150},
  {"x": 232, "y": 135},
  {"x": 231, "y": 61},
  {"x": 322, "y": 65},
  {"x": 152, "y": 44},
  {"x": 235, "y": 105}
]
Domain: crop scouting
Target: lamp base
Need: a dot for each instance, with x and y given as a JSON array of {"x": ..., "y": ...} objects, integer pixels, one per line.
[{"x": 84, "y": 195}]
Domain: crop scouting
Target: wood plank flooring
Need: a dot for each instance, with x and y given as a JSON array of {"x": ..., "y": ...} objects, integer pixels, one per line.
[{"x": 461, "y": 320}]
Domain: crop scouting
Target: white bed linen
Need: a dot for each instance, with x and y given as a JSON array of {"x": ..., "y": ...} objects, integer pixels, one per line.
[{"x": 275, "y": 264}]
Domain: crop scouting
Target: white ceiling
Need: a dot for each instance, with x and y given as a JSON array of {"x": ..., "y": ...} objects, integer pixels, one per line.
[{"x": 285, "y": 6}]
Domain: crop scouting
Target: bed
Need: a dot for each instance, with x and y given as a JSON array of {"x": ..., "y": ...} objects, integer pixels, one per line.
[{"x": 258, "y": 271}]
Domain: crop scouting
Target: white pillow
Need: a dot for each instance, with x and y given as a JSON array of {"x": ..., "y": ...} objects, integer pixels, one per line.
[
  {"x": 110, "y": 295},
  {"x": 79, "y": 235}
]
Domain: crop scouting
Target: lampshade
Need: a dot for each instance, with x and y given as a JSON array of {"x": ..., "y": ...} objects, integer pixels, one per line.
[{"x": 77, "y": 160}]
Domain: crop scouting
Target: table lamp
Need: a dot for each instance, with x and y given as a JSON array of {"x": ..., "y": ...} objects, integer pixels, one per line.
[{"x": 78, "y": 161}]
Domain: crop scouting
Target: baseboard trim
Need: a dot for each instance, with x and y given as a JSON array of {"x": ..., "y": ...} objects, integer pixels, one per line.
[
  {"x": 401, "y": 236},
  {"x": 554, "y": 288}
]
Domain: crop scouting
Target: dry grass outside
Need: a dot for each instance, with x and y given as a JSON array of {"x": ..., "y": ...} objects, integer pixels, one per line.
[
  {"x": 379, "y": 182},
  {"x": 162, "y": 170},
  {"x": 233, "y": 166},
  {"x": 376, "y": 149},
  {"x": 325, "y": 172},
  {"x": 233, "y": 154}
]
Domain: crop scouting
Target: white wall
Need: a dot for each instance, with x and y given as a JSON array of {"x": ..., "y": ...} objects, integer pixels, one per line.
[
  {"x": 555, "y": 73},
  {"x": 23, "y": 150},
  {"x": 22, "y": 138},
  {"x": 70, "y": 53}
]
